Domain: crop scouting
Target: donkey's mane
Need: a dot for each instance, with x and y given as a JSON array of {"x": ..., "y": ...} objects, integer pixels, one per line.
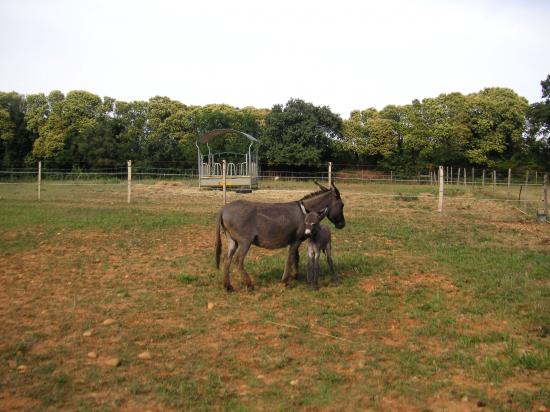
[{"x": 319, "y": 192}]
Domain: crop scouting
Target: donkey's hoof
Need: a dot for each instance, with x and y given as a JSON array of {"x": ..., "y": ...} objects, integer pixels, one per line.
[
  {"x": 229, "y": 288},
  {"x": 250, "y": 287}
]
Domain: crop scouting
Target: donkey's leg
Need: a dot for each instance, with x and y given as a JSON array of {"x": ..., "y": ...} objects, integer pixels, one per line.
[
  {"x": 334, "y": 276},
  {"x": 241, "y": 254},
  {"x": 289, "y": 262},
  {"x": 231, "y": 248}
]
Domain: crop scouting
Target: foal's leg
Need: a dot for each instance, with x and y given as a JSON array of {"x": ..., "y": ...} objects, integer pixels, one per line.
[
  {"x": 241, "y": 253},
  {"x": 295, "y": 262},
  {"x": 293, "y": 248},
  {"x": 310, "y": 265},
  {"x": 317, "y": 269},
  {"x": 231, "y": 248},
  {"x": 328, "y": 252}
]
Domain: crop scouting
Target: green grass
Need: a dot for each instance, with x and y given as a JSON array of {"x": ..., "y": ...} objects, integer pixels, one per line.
[
  {"x": 19, "y": 215},
  {"x": 185, "y": 278},
  {"x": 429, "y": 305}
]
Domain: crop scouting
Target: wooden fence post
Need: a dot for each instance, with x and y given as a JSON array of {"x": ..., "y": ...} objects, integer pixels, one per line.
[
  {"x": 391, "y": 176},
  {"x": 224, "y": 181},
  {"x": 329, "y": 174},
  {"x": 545, "y": 196},
  {"x": 441, "y": 183},
  {"x": 451, "y": 181},
  {"x": 509, "y": 182},
  {"x": 458, "y": 176},
  {"x": 519, "y": 197},
  {"x": 494, "y": 180},
  {"x": 525, "y": 197},
  {"x": 129, "y": 181},
  {"x": 483, "y": 178},
  {"x": 473, "y": 177},
  {"x": 39, "y": 178}
]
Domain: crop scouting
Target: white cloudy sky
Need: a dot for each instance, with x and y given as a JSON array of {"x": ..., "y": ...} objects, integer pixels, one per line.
[{"x": 344, "y": 54}]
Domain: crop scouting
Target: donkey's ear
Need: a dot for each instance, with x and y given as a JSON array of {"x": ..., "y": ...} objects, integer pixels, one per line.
[
  {"x": 304, "y": 211},
  {"x": 323, "y": 188},
  {"x": 335, "y": 188}
]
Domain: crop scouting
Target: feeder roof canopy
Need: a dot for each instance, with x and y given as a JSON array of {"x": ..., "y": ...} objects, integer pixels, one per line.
[{"x": 205, "y": 138}]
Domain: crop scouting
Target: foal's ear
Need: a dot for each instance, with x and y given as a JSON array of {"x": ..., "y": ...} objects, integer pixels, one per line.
[{"x": 304, "y": 211}]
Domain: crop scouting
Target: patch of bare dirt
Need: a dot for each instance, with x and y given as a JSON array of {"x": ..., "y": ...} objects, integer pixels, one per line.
[
  {"x": 402, "y": 283},
  {"x": 430, "y": 280},
  {"x": 388, "y": 403},
  {"x": 15, "y": 403},
  {"x": 438, "y": 404}
]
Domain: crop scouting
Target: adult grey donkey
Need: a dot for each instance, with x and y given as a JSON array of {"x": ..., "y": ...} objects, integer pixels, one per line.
[
  {"x": 271, "y": 226},
  {"x": 318, "y": 240}
]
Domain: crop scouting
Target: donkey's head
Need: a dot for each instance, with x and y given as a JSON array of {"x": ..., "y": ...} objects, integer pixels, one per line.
[
  {"x": 312, "y": 219},
  {"x": 335, "y": 212}
]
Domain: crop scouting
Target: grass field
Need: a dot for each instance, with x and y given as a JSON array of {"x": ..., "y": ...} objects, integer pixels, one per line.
[{"x": 434, "y": 312}]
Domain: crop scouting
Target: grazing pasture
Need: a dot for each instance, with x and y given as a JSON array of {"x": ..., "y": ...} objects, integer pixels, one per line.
[{"x": 434, "y": 312}]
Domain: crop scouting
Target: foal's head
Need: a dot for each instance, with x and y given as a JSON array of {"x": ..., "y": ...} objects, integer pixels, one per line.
[
  {"x": 312, "y": 219},
  {"x": 335, "y": 211}
]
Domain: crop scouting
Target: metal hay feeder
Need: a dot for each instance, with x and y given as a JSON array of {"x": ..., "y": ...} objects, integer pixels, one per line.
[{"x": 241, "y": 168}]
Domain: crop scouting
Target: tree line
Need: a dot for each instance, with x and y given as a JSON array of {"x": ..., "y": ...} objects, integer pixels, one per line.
[{"x": 494, "y": 128}]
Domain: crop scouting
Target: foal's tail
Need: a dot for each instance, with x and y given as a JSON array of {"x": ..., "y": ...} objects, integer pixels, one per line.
[{"x": 218, "y": 245}]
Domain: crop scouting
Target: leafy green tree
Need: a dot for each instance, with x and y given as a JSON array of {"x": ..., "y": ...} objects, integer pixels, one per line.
[
  {"x": 497, "y": 119},
  {"x": 160, "y": 142},
  {"x": 299, "y": 134},
  {"x": 70, "y": 128},
  {"x": 371, "y": 136},
  {"x": 131, "y": 120},
  {"x": 96, "y": 147},
  {"x": 15, "y": 140},
  {"x": 446, "y": 131},
  {"x": 36, "y": 115},
  {"x": 7, "y": 127},
  {"x": 494, "y": 127},
  {"x": 45, "y": 119},
  {"x": 538, "y": 128}
]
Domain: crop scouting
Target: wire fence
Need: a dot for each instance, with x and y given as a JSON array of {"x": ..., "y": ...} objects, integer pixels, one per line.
[{"x": 524, "y": 189}]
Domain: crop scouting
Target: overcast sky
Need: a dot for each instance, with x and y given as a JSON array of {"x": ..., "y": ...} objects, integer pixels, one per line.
[{"x": 344, "y": 54}]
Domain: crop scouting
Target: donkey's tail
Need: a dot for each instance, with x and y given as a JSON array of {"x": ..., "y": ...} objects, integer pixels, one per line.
[{"x": 218, "y": 245}]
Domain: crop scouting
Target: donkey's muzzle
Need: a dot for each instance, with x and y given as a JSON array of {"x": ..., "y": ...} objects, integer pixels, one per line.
[{"x": 340, "y": 225}]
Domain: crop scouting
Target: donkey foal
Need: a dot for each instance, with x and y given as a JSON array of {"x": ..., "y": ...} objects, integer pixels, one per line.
[{"x": 319, "y": 239}]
